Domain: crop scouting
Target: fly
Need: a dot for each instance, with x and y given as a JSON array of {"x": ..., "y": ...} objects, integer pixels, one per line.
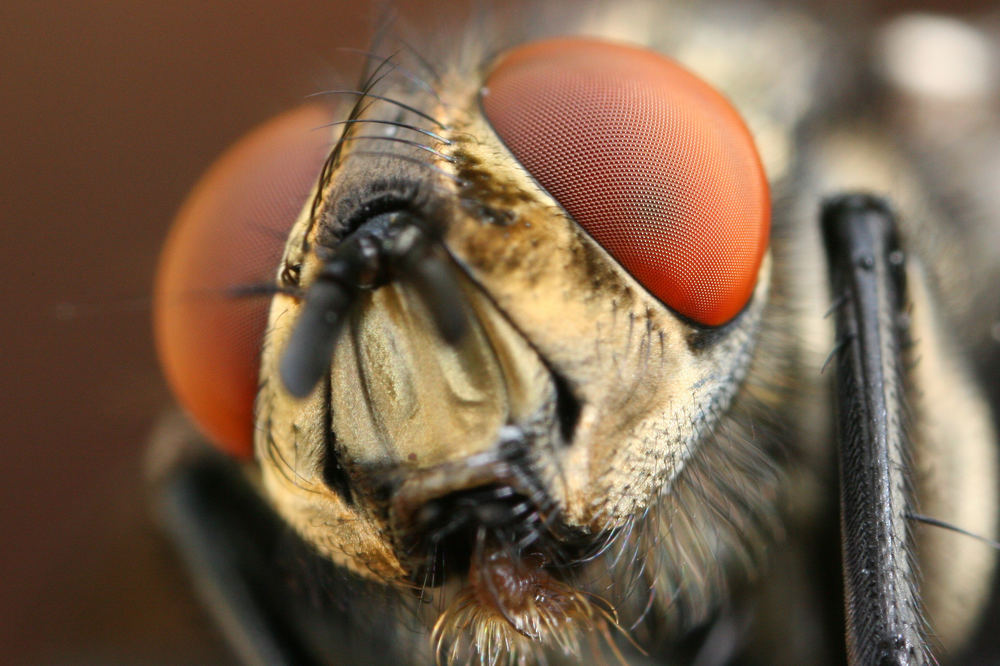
[{"x": 541, "y": 375}]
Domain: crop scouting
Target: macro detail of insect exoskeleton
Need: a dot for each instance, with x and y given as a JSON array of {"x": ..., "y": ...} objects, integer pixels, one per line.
[{"x": 645, "y": 334}]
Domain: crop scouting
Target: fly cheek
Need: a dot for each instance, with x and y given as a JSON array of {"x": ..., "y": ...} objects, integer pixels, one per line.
[
  {"x": 226, "y": 244},
  {"x": 649, "y": 159}
]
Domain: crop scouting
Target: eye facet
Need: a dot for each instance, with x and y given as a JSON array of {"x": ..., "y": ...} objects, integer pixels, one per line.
[
  {"x": 649, "y": 159},
  {"x": 229, "y": 234}
]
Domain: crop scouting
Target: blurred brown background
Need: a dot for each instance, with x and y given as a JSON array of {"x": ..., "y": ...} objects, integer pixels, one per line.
[{"x": 109, "y": 110}]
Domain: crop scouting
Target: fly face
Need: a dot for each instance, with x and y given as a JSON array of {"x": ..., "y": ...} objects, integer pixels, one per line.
[
  {"x": 571, "y": 395},
  {"x": 531, "y": 355}
]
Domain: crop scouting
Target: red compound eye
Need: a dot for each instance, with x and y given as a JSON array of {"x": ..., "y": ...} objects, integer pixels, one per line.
[
  {"x": 231, "y": 233},
  {"x": 653, "y": 162}
]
